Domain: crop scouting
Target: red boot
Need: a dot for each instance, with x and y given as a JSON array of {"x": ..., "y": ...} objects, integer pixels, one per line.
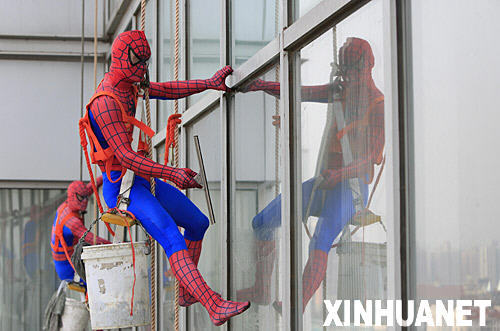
[
  {"x": 194, "y": 251},
  {"x": 260, "y": 291},
  {"x": 190, "y": 278},
  {"x": 314, "y": 273}
]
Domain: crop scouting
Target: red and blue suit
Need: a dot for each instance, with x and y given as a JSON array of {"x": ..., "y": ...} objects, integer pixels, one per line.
[
  {"x": 109, "y": 114},
  {"x": 363, "y": 107},
  {"x": 68, "y": 228}
]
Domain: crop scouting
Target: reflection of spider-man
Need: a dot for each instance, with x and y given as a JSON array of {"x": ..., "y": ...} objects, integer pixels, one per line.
[
  {"x": 363, "y": 109},
  {"x": 161, "y": 214},
  {"x": 68, "y": 228}
]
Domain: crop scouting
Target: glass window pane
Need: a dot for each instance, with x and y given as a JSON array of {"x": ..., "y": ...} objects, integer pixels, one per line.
[
  {"x": 165, "y": 62},
  {"x": 256, "y": 205},
  {"x": 343, "y": 120},
  {"x": 208, "y": 130},
  {"x": 255, "y": 23},
  {"x": 302, "y": 7},
  {"x": 27, "y": 273},
  {"x": 456, "y": 139},
  {"x": 204, "y": 41}
]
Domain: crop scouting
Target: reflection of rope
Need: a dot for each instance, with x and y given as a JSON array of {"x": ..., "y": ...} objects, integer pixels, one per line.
[
  {"x": 153, "y": 186},
  {"x": 276, "y": 136}
]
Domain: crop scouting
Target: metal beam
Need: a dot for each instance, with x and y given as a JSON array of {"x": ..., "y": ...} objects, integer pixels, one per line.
[
  {"x": 256, "y": 63},
  {"x": 33, "y": 184},
  {"x": 318, "y": 20},
  {"x": 115, "y": 18},
  {"x": 126, "y": 17},
  {"x": 48, "y": 48}
]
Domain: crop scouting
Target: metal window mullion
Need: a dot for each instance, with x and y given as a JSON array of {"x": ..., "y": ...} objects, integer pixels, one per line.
[
  {"x": 406, "y": 153},
  {"x": 319, "y": 19},
  {"x": 393, "y": 205},
  {"x": 225, "y": 161},
  {"x": 286, "y": 282},
  {"x": 127, "y": 16}
]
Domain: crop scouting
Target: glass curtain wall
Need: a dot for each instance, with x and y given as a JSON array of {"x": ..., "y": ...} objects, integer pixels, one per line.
[
  {"x": 456, "y": 173},
  {"x": 204, "y": 23},
  {"x": 345, "y": 213},
  {"x": 256, "y": 204},
  {"x": 27, "y": 273},
  {"x": 254, "y": 24},
  {"x": 208, "y": 130},
  {"x": 166, "y": 30}
]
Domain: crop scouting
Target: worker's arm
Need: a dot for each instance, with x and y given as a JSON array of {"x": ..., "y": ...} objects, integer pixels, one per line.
[
  {"x": 183, "y": 88},
  {"x": 109, "y": 118},
  {"x": 78, "y": 229}
]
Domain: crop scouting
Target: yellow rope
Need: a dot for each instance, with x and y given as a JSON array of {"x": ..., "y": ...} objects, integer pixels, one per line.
[{"x": 153, "y": 187}]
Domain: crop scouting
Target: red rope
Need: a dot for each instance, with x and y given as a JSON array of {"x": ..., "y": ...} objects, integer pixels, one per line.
[{"x": 83, "y": 142}]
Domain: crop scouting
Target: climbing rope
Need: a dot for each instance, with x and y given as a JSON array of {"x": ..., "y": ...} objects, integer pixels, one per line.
[
  {"x": 176, "y": 142},
  {"x": 152, "y": 184},
  {"x": 96, "y": 214},
  {"x": 277, "y": 134}
]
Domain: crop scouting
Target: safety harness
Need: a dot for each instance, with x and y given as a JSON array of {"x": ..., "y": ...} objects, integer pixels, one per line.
[
  {"x": 99, "y": 154},
  {"x": 105, "y": 156},
  {"x": 59, "y": 246}
]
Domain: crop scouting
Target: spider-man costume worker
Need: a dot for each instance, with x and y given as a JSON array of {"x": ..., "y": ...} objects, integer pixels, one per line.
[
  {"x": 68, "y": 228},
  {"x": 161, "y": 214},
  {"x": 363, "y": 108}
]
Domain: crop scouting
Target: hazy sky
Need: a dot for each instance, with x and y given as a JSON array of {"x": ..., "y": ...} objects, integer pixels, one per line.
[{"x": 456, "y": 80}]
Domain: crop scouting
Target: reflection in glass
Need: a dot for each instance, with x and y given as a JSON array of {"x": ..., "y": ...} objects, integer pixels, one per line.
[
  {"x": 343, "y": 137},
  {"x": 255, "y": 257}
]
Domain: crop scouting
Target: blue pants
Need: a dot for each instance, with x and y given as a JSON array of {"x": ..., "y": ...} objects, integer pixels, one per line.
[
  {"x": 161, "y": 214},
  {"x": 64, "y": 270},
  {"x": 333, "y": 207}
]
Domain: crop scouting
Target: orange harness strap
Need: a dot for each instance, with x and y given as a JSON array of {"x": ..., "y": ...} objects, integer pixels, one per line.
[
  {"x": 359, "y": 123},
  {"x": 59, "y": 237},
  {"x": 105, "y": 155}
]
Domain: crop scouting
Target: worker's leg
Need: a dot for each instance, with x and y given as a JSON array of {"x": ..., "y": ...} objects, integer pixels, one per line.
[
  {"x": 148, "y": 210},
  {"x": 187, "y": 215},
  {"x": 264, "y": 225},
  {"x": 64, "y": 270},
  {"x": 162, "y": 227},
  {"x": 338, "y": 209}
]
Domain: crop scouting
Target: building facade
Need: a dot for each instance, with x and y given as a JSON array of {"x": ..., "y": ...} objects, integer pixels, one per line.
[{"x": 430, "y": 70}]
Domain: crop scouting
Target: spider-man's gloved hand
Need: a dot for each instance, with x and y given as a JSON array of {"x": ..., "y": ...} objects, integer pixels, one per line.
[
  {"x": 183, "y": 178},
  {"x": 218, "y": 80}
]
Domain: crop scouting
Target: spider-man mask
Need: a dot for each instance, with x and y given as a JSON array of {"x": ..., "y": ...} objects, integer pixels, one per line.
[
  {"x": 129, "y": 55},
  {"x": 78, "y": 196},
  {"x": 356, "y": 59}
]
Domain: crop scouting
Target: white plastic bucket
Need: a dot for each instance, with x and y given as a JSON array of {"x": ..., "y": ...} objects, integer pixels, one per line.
[
  {"x": 75, "y": 316},
  {"x": 110, "y": 276}
]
